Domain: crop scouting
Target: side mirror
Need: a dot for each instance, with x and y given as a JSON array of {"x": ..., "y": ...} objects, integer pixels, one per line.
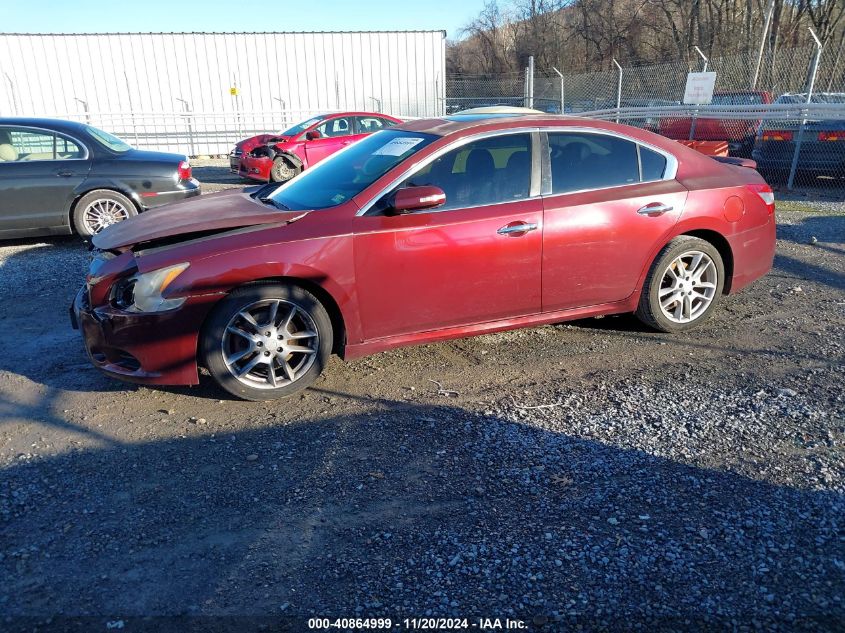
[
  {"x": 313, "y": 134},
  {"x": 410, "y": 199}
]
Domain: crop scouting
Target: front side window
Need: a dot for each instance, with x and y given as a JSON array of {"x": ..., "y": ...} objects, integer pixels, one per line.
[
  {"x": 347, "y": 173},
  {"x": 488, "y": 171},
  {"x": 591, "y": 161},
  {"x": 24, "y": 145},
  {"x": 341, "y": 126}
]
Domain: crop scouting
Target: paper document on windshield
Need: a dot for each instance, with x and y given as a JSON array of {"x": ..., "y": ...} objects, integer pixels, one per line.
[{"x": 398, "y": 146}]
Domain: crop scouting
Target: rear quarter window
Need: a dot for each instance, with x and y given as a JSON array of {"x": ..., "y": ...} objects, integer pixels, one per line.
[{"x": 653, "y": 164}]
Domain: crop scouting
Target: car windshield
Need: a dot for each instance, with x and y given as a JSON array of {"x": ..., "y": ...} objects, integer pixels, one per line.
[
  {"x": 109, "y": 141},
  {"x": 301, "y": 127},
  {"x": 347, "y": 173}
]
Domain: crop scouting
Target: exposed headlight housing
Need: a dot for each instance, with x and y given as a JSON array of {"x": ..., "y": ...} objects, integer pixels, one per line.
[{"x": 143, "y": 292}]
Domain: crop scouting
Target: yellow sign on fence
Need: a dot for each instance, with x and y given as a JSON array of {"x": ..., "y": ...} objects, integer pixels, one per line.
[{"x": 233, "y": 91}]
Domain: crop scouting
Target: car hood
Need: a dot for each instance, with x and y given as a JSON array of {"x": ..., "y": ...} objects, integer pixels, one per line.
[
  {"x": 262, "y": 139},
  {"x": 216, "y": 212}
]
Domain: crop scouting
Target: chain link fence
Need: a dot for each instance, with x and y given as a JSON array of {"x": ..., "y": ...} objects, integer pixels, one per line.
[{"x": 756, "y": 110}]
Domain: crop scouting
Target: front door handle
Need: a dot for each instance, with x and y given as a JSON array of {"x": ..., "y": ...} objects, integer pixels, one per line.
[
  {"x": 654, "y": 209},
  {"x": 517, "y": 228},
  {"x": 64, "y": 173}
]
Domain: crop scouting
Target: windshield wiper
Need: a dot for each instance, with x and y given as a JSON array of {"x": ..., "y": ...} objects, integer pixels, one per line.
[{"x": 273, "y": 203}]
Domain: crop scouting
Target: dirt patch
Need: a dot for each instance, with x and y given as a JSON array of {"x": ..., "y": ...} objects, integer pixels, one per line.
[{"x": 590, "y": 472}]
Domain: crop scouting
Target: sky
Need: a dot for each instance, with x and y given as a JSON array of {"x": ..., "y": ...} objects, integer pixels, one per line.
[{"x": 98, "y": 16}]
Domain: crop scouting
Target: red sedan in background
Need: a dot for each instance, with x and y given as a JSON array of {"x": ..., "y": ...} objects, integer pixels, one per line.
[
  {"x": 431, "y": 230},
  {"x": 740, "y": 134},
  {"x": 280, "y": 157}
]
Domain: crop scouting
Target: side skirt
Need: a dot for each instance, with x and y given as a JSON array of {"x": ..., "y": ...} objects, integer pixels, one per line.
[{"x": 357, "y": 350}]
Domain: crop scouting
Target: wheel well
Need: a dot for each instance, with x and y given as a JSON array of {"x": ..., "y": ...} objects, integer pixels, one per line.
[
  {"x": 338, "y": 326},
  {"x": 724, "y": 248},
  {"x": 85, "y": 193}
]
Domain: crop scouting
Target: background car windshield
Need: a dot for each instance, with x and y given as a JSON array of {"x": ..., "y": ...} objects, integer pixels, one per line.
[
  {"x": 109, "y": 140},
  {"x": 301, "y": 127},
  {"x": 349, "y": 172}
]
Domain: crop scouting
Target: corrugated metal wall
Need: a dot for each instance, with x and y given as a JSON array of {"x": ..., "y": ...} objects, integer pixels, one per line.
[{"x": 170, "y": 88}]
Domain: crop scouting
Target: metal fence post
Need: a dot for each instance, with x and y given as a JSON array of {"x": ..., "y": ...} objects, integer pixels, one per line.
[
  {"x": 530, "y": 81},
  {"x": 189, "y": 119},
  {"x": 618, "y": 90},
  {"x": 814, "y": 68},
  {"x": 769, "y": 12},
  {"x": 84, "y": 107},
  {"x": 562, "y": 90}
]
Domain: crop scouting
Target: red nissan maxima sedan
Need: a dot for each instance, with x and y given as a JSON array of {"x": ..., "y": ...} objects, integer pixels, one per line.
[{"x": 431, "y": 230}]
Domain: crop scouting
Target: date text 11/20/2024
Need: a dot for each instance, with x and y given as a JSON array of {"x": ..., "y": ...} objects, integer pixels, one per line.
[{"x": 418, "y": 624}]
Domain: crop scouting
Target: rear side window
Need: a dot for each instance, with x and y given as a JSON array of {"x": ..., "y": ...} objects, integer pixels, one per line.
[
  {"x": 653, "y": 164},
  {"x": 591, "y": 161}
]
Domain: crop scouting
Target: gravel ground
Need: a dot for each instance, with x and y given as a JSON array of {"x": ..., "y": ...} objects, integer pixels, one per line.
[{"x": 592, "y": 473}]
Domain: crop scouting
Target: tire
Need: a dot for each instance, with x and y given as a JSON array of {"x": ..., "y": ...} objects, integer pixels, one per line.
[
  {"x": 283, "y": 169},
  {"x": 696, "y": 297},
  {"x": 100, "y": 208},
  {"x": 231, "y": 344}
]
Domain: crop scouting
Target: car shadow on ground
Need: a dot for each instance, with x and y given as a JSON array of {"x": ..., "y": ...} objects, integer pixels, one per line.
[
  {"x": 406, "y": 510},
  {"x": 216, "y": 177}
]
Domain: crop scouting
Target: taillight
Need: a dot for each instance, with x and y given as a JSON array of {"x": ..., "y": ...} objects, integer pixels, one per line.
[
  {"x": 766, "y": 194},
  {"x": 832, "y": 136},
  {"x": 183, "y": 172},
  {"x": 777, "y": 135}
]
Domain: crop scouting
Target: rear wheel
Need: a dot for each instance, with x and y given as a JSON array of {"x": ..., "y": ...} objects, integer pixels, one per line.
[
  {"x": 101, "y": 208},
  {"x": 267, "y": 341},
  {"x": 283, "y": 169},
  {"x": 683, "y": 285}
]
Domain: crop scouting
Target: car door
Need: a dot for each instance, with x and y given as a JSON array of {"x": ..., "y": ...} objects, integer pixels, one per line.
[
  {"x": 608, "y": 202},
  {"x": 474, "y": 259},
  {"x": 334, "y": 134},
  {"x": 39, "y": 173}
]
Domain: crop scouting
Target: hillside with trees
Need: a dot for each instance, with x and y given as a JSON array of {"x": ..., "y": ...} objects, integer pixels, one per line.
[{"x": 585, "y": 35}]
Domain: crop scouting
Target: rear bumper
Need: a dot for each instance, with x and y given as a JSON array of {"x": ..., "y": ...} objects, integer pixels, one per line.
[
  {"x": 753, "y": 254},
  {"x": 153, "y": 349},
  {"x": 815, "y": 156},
  {"x": 185, "y": 189}
]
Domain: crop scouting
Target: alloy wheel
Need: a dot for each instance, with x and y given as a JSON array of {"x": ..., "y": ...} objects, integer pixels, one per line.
[
  {"x": 688, "y": 287},
  {"x": 103, "y": 212},
  {"x": 270, "y": 344}
]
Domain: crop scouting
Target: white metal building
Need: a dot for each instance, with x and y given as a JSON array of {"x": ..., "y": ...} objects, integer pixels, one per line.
[{"x": 164, "y": 90}]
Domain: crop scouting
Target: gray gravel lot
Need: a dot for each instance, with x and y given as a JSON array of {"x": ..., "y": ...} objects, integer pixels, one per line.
[{"x": 592, "y": 473}]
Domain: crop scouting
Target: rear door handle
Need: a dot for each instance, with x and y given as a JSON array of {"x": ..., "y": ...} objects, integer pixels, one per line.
[
  {"x": 517, "y": 228},
  {"x": 64, "y": 173},
  {"x": 655, "y": 209}
]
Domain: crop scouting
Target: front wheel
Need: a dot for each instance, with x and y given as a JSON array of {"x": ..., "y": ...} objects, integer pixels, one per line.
[
  {"x": 267, "y": 341},
  {"x": 683, "y": 285},
  {"x": 283, "y": 169}
]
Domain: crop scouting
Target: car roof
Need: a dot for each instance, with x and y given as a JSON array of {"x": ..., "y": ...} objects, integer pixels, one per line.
[
  {"x": 456, "y": 123},
  {"x": 61, "y": 125}
]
